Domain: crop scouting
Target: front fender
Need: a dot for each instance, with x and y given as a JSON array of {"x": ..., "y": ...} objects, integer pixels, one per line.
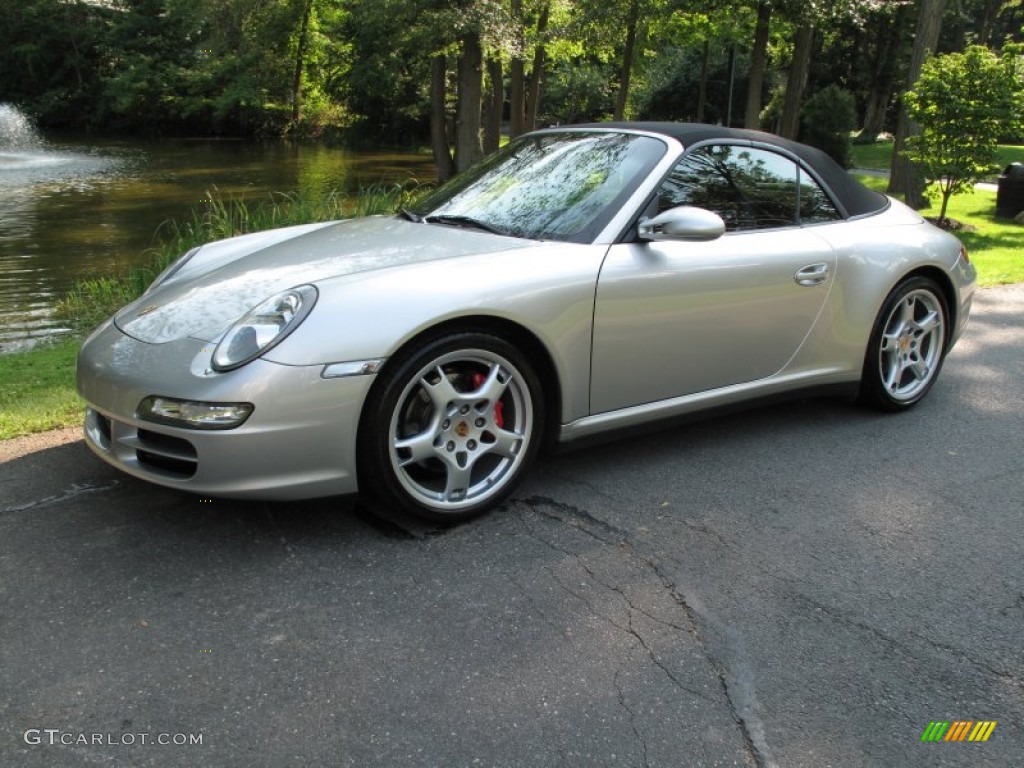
[{"x": 548, "y": 289}]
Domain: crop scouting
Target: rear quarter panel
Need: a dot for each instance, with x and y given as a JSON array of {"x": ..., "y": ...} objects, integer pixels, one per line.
[{"x": 874, "y": 254}]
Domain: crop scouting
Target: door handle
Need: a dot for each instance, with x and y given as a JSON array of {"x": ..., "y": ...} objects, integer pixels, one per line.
[{"x": 812, "y": 274}]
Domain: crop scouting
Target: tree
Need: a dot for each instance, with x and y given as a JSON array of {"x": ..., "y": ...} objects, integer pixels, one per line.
[
  {"x": 627, "y": 37},
  {"x": 904, "y": 177},
  {"x": 883, "y": 38},
  {"x": 439, "y": 119},
  {"x": 147, "y": 86},
  {"x": 628, "y": 53},
  {"x": 301, "y": 49},
  {"x": 812, "y": 19},
  {"x": 51, "y": 54},
  {"x": 529, "y": 27},
  {"x": 397, "y": 71},
  {"x": 826, "y": 121},
  {"x": 468, "y": 147},
  {"x": 689, "y": 63},
  {"x": 964, "y": 102},
  {"x": 517, "y": 76},
  {"x": 540, "y": 55},
  {"x": 982, "y": 22},
  {"x": 758, "y": 62},
  {"x": 796, "y": 81}
]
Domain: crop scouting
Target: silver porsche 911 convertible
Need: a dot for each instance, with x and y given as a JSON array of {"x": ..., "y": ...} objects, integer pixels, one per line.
[{"x": 580, "y": 281}]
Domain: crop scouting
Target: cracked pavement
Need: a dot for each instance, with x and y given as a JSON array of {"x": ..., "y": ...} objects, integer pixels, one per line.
[{"x": 808, "y": 584}]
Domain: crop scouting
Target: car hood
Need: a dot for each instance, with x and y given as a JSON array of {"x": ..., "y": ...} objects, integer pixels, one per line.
[{"x": 231, "y": 277}]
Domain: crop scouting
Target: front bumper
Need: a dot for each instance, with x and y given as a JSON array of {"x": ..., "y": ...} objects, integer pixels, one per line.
[{"x": 299, "y": 442}]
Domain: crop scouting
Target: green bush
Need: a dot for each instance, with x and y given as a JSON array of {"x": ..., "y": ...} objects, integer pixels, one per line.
[
  {"x": 964, "y": 102},
  {"x": 826, "y": 121}
]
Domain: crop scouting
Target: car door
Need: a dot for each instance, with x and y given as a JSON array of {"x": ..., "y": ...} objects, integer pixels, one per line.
[{"x": 674, "y": 318}]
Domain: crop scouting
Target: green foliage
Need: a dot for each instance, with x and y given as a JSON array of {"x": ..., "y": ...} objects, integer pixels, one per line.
[
  {"x": 964, "y": 102},
  {"x": 319, "y": 67},
  {"x": 579, "y": 91},
  {"x": 672, "y": 90},
  {"x": 157, "y": 66},
  {"x": 826, "y": 121},
  {"x": 51, "y": 54},
  {"x": 387, "y": 86}
]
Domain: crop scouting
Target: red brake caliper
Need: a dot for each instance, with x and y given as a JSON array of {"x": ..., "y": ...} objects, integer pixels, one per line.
[{"x": 499, "y": 407}]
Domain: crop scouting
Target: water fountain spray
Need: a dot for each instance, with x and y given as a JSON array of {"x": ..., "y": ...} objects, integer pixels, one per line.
[{"x": 16, "y": 130}]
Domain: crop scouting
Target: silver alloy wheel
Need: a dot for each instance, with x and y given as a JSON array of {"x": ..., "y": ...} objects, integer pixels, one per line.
[
  {"x": 911, "y": 346},
  {"x": 460, "y": 430}
]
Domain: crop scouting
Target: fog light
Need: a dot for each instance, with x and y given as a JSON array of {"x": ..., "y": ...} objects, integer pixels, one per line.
[
  {"x": 194, "y": 415},
  {"x": 98, "y": 428}
]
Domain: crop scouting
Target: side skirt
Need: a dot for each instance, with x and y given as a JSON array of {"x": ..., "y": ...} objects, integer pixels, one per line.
[{"x": 666, "y": 414}]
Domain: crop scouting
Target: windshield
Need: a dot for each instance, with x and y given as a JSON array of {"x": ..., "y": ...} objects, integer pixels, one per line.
[{"x": 547, "y": 186}]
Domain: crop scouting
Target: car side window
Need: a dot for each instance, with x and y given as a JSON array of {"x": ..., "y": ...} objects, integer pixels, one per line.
[
  {"x": 815, "y": 205},
  {"x": 749, "y": 188}
]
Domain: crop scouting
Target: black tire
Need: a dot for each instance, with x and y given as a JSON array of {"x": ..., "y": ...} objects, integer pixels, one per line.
[
  {"x": 907, "y": 346},
  {"x": 449, "y": 429}
]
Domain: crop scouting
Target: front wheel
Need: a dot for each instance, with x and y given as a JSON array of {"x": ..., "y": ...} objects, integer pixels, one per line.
[
  {"x": 448, "y": 432},
  {"x": 907, "y": 346}
]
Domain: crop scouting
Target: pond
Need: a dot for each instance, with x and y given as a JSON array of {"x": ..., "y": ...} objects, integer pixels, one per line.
[{"x": 71, "y": 209}]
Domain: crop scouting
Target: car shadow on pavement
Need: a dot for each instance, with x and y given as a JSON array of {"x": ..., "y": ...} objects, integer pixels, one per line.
[{"x": 65, "y": 481}]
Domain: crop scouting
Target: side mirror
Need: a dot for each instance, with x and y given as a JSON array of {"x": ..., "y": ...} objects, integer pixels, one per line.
[{"x": 683, "y": 222}]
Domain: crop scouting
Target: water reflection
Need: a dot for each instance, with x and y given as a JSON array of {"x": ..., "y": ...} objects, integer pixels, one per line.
[{"x": 69, "y": 211}]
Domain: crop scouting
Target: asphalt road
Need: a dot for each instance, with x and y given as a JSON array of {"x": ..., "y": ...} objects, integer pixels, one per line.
[{"x": 804, "y": 585}]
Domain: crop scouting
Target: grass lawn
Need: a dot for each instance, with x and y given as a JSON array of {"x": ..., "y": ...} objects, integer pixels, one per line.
[
  {"x": 996, "y": 247},
  {"x": 38, "y": 390},
  {"x": 879, "y": 155}
]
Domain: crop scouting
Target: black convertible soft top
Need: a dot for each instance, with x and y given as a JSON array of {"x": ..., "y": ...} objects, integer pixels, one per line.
[{"x": 854, "y": 197}]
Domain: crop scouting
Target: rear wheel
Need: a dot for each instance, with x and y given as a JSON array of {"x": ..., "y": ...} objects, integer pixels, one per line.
[
  {"x": 448, "y": 432},
  {"x": 907, "y": 346}
]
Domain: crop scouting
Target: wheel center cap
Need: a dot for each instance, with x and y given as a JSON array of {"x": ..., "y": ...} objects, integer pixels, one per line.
[
  {"x": 462, "y": 429},
  {"x": 905, "y": 344}
]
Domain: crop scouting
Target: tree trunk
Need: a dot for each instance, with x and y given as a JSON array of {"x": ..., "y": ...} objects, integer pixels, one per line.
[
  {"x": 986, "y": 21},
  {"x": 789, "y": 125},
  {"x": 947, "y": 192},
  {"x": 467, "y": 112},
  {"x": 626, "y": 70},
  {"x": 495, "y": 106},
  {"x": 537, "y": 75},
  {"x": 439, "y": 119},
  {"x": 517, "y": 98},
  {"x": 758, "y": 60},
  {"x": 702, "y": 92},
  {"x": 906, "y": 177},
  {"x": 300, "y": 56},
  {"x": 886, "y": 30},
  {"x": 874, "y": 113},
  {"x": 517, "y": 75}
]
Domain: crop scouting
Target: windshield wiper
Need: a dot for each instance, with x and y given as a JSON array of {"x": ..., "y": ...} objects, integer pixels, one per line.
[
  {"x": 462, "y": 221},
  {"x": 405, "y": 213}
]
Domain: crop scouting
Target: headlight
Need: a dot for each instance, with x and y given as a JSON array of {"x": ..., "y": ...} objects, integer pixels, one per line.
[
  {"x": 192, "y": 414},
  {"x": 175, "y": 266},
  {"x": 263, "y": 327}
]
